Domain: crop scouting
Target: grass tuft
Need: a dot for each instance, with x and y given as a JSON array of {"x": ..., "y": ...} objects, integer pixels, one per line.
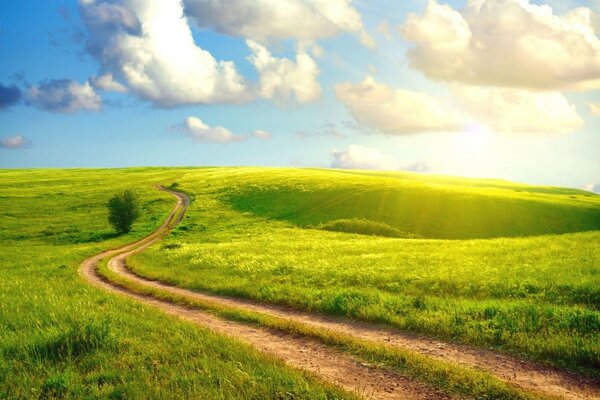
[{"x": 78, "y": 340}]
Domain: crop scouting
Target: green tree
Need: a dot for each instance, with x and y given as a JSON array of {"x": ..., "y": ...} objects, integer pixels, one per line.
[{"x": 123, "y": 210}]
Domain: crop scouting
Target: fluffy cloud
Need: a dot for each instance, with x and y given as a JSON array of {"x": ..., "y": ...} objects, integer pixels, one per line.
[
  {"x": 594, "y": 108},
  {"x": 362, "y": 157},
  {"x": 398, "y": 112},
  {"x": 108, "y": 83},
  {"x": 260, "y": 134},
  {"x": 503, "y": 110},
  {"x": 63, "y": 96},
  {"x": 519, "y": 111},
  {"x": 592, "y": 187},
  {"x": 202, "y": 132},
  {"x": 9, "y": 95},
  {"x": 149, "y": 46},
  {"x": 265, "y": 21},
  {"x": 280, "y": 78},
  {"x": 14, "y": 142},
  {"x": 508, "y": 43}
]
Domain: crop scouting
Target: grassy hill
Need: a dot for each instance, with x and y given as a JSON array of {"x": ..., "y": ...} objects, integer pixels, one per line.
[
  {"x": 430, "y": 207},
  {"x": 536, "y": 296}
]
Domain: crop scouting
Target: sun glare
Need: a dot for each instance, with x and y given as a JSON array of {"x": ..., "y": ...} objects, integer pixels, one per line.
[{"x": 472, "y": 141}]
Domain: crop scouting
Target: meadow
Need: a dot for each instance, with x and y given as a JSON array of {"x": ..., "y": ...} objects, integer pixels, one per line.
[
  {"x": 61, "y": 338},
  {"x": 484, "y": 262}
]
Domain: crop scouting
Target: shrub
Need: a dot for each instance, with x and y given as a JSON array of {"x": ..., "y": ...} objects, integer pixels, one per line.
[
  {"x": 123, "y": 211},
  {"x": 365, "y": 227}
]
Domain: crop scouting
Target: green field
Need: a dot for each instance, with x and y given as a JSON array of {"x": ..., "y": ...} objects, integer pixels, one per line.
[
  {"x": 531, "y": 288},
  {"x": 485, "y": 262},
  {"x": 61, "y": 338}
]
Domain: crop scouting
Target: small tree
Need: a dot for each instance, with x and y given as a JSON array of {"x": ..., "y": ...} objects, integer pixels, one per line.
[{"x": 123, "y": 210}]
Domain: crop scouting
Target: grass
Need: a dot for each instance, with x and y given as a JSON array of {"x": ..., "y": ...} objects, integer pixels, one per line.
[
  {"x": 61, "y": 338},
  {"x": 243, "y": 237},
  {"x": 441, "y": 208},
  {"x": 498, "y": 265},
  {"x": 447, "y": 377}
]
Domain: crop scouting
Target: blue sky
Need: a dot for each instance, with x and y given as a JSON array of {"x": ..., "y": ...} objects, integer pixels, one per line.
[{"x": 416, "y": 85}]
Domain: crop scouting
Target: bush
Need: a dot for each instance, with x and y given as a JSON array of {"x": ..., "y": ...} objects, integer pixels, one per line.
[
  {"x": 123, "y": 211},
  {"x": 365, "y": 227}
]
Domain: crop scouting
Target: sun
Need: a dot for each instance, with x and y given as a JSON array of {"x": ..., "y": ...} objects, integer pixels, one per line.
[{"x": 473, "y": 141}]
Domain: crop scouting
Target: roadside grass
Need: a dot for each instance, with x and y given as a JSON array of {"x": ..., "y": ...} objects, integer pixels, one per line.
[
  {"x": 445, "y": 376},
  {"x": 537, "y": 296},
  {"x": 61, "y": 338}
]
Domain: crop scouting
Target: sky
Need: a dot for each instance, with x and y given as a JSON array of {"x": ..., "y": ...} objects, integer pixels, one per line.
[{"x": 504, "y": 89}]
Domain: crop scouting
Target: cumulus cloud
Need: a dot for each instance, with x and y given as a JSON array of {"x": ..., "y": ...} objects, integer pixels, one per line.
[
  {"x": 149, "y": 46},
  {"x": 507, "y": 43},
  {"x": 260, "y": 134},
  {"x": 266, "y": 21},
  {"x": 594, "y": 108},
  {"x": 63, "y": 96},
  {"x": 361, "y": 157},
  {"x": 385, "y": 30},
  {"x": 202, "y": 132},
  {"x": 503, "y": 110},
  {"x": 592, "y": 187},
  {"x": 108, "y": 83},
  {"x": 398, "y": 112},
  {"x": 9, "y": 95},
  {"x": 14, "y": 142},
  {"x": 329, "y": 130},
  {"x": 518, "y": 110},
  {"x": 282, "y": 78}
]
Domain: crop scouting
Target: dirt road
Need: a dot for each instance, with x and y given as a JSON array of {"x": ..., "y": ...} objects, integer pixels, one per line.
[{"x": 330, "y": 364}]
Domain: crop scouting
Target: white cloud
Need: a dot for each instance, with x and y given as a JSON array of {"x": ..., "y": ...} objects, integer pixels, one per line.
[
  {"x": 108, "y": 83},
  {"x": 385, "y": 30},
  {"x": 149, "y": 46},
  {"x": 14, "y": 142},
  {"x": 518, "y": 110},
  {"x": 502, "y": 110},
  {"x": 592, "y": 187},
  {"x": 202, "y": 132},
  {"x": 361, "y": 157},
  {"x": 509, "y": 43},
  {"x": 280, "y": 78},
  {"x": 266, "y": 21},
  {"x": 259, "y": 133},
  {"x": 594, "y": 108},
  {"x": 63, "y": 96},
  {"x": 398, "y": 112}
]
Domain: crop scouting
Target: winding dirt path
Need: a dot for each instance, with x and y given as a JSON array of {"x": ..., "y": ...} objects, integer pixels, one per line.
[
  {"x": 306, "y": 354},
  {"x": 333, "y": 365}
]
